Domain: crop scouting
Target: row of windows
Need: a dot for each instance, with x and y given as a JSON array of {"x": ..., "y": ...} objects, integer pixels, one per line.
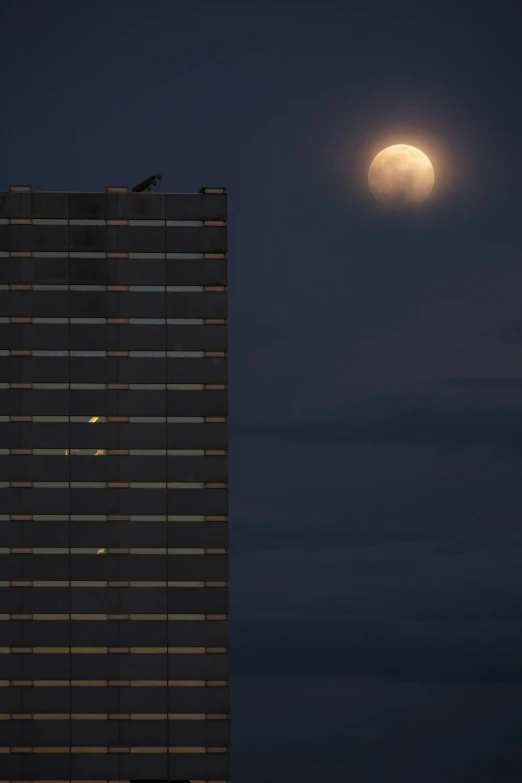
[
  {"x": 212, "y": 303},
  {"x": 122, "y": 289},
  {"x": 108, "y": 517},
  {"x": 67, "y": 716},
  {"x": 120, "y": 256},
  {"x": 17, "y": 290},
  {"x": 111, "y": 535},
  {"x": 169, "y": 779},
  {"x": 117, "y": 617},
  {"x": 28, "y": 435},
  {"x": 93, "y": 615},
  {"x": 22, "y": 629},
  {"x": 114, "y": 650},
  {"x": 119, "y": 387},
  {"x": 80, "y": 749},
  {"x": 130, "y": 426},
  {"x": 95, "y": 226},
  {"x": 18, "y": 553},
  {"x": 108, "y": 222},
  {"x": 123, "y": 699},
  {"x": 112, "y": 419},
  {"x": 113, "y": 339},
  {"x": 115, "y": 386},
  {"x": 108, "y": 493},
  {"x": 119, "y": 354},
  {"x": 22, "y": 484},
  {"x": 115, "y": 271},
  {"x": 23, "y": 598},
  {"x": 118, "y": 665},
  {"x": 116, "y": 367},
  {"x": 51, "y": 479},
  {"x": 114, "y": 452},
  {"x": 23, "y": 387},
  {"x": 107, "y": 585},
  {"x": 40, "y": 474},
  {"x": 211, "y": 598},
  {"x": 112, "y": 238},
  {"x": 109, "y": 551},
  {"x": 113, "y": 683},
  {"x": 100, "y": 584},
  {"x": 99, "y": 222},
  {"x": 115, "y": 203},
  {"x": 160, "y": 343},
  {"x": 30, "y": 422},
  {"x": 170, "y": 473},
  {"x": 104, "y": 780},
  {"x": 121, "y": 321},
  {"x": 19, "y": 566},
  {"x": 22, "y": 502},
  {"x": 200, "y": 489}
]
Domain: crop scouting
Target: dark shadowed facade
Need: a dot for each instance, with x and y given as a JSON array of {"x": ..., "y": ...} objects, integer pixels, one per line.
[{"x": 113, "y": 486}]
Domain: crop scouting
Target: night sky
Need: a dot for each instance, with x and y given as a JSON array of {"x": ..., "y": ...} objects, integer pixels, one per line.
[{"x": 375, "y": 357}]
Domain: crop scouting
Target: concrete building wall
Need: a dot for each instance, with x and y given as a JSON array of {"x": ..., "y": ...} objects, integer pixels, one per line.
[{"x": 113, "y": 486}]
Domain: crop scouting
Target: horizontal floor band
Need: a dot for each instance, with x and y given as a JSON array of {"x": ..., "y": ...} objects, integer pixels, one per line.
[
  {"x": 116, "y": 287},
  {"x": 142, "y": 617},
  {"x": 113, "y": 683},
  {"x": 110, "y": 551},
  {"x": 150, "y": 222},
  {"x": 101, "y": 583},
  {"x": 113, "y": 650},
  {"x": 65, "y": 354},
  {"x": 80, "y": 749},
  {"x": 72, "y": 254},
  {"x": 101, "y": 321},
  {"x": 115, "y": 386},
  {"x": 112, "y": 485},
  {"x": 75, "y": 780},
  {"x": 110, "y": 518},
  {"x": 114, "y": 452},
  {"x": 112, "y": 716},
  {"x": 107, "y": 288},
  {"x": 26, "y": 419}
]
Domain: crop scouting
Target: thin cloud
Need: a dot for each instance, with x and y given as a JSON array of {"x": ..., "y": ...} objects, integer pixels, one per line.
[
  {"x": 271, "y": 648},
  {"x": 486, "y": 383},
  {"x": 445, "y": 424}
]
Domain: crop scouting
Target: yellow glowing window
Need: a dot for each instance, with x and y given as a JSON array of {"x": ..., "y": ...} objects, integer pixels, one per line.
[{"x": 98, "y": 453}]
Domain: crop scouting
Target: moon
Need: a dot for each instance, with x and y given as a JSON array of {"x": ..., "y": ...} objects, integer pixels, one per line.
[{"x": 401, "y": 175}]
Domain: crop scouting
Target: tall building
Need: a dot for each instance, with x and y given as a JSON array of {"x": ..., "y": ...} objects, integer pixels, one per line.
[{"x": 113, "y": 486}]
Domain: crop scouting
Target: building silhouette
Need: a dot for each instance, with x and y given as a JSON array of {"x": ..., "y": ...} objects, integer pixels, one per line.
[{"x": 113, "y": 486}]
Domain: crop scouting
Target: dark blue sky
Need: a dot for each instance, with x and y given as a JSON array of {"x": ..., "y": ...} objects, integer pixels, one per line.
[{"x": 375, "y": 379}]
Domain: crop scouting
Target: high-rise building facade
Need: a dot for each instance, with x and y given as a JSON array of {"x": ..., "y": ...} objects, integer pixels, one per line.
[{"x": 113, "y": 486}]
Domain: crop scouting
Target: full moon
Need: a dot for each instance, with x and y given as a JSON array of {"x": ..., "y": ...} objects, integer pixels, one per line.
[{"x": 401, "y": 175}]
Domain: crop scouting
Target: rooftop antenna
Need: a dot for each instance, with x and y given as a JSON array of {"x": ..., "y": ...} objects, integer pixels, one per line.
[{"x": 150, "y": 185}]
